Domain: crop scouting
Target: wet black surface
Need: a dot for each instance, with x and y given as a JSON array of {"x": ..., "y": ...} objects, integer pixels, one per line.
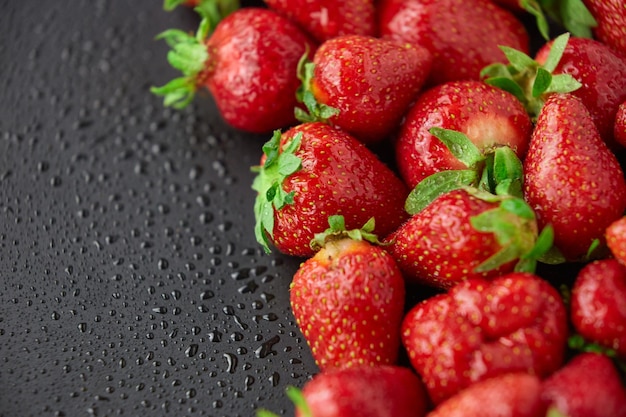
[{"x": 130, "y": 280}]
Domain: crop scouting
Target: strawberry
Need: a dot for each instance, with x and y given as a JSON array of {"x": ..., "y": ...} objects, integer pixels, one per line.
[
  {"x": 598, "y": 304},
  {"x": 481, "y": 329},
  {"x": 327, "y": 19},
  {"x": 572, "y": 180},
  {"x": 491, "y": 118},
  {"x": 619, "y": 130},
  {"x": 248, "y": 63},
  {"x": 610, "y": 16},
  {"x": 462, "y": 235},
  {"x": 364, "y": 391},
  {"x": 462, "y": 35},
  {"x": 510, "y": 395},
  {"x": 313, "y": 171},
  {"x": 602, "y": 74},
  {"x": 615, "y": 236},
  {"x": 363, "y": 84},
  {"x": 587, "y": 386},
  {"x": 348, "y": 299}
]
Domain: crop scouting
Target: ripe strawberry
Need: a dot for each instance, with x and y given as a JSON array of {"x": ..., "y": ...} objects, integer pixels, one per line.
[
  {"x": 510, "y": 395},
  {"x": 598, "y": 304},
  {"x": 348, "y": 299},
  {"x": 572, "y": 180},
  {"x": 610, "y": 16},
  {"x": 363, "y": 84},
  {"x": 379, "y": 391},
  {"x": 462, "y": 35},
  {"x": 481, "y": 329},
  {"x": 587, "y": 386},
  {"x": 327, "y": 19},
  {"x": 615, "y": 236},
  {"x": 249, "y": 64},
  {"x": 461, "y": 235},
  {"x": 619, "y": 130},
  {"x": 313, "y": 171},
  {"x": 491, "y": 118},
  {"x": 602, "y": 74}
]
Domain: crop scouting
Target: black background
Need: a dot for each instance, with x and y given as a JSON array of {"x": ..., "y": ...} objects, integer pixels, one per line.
[{"x": 130, "y": 280}]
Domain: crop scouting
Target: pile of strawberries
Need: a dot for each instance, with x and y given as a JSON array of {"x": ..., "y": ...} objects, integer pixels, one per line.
[{"x": 419, "y": 152}]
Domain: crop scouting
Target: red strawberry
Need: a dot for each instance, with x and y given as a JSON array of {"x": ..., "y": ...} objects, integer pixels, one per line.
[
  {"x": 480, "y": 329},
  {"x": 619, "y": 130},
  {"x": 507, "y": 395},
  {"x": 615, "y": 236},
  {"x": 249, "y": 64},
  {"x": 348, "y": 299},
  {"x": 610, "y": 16},
  {"x": 490, "y": 117},
  {"x": 327, "y": 19},
  {"x": 572, "y": 180},
  {"x": 461, "y": 236},
  {"x": 462, "y": 35},
  {"x": 363, "y": 85},
  {"x": 587, "y": 386},
  {"x": 313, "y": 171},
  {"x": 602, "y": 74},
  {"x": 598, "y": 304},
  {"x": 380, "y": 391}
]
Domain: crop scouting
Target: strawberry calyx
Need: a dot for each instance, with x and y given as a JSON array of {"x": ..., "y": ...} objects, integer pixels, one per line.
[
  {"x": 337, "y": 230},
  {"x": 578, "y": 343},
  {"x": 513, "y": 223},
  {"x": 268, "y": 183},
  {"x": 572, "y": 15},
  {"x": 497, "y": 170},
  {"x": 189, "y": 55},
  {"x": 315, "y": 111},
  {"x": 527, "y": 79}
]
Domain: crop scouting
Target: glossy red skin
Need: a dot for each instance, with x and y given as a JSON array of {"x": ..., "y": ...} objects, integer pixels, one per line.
[
  {"x": 510, "y": 395},
  {"x": 619, "y": 129},
  {"x": 587, "y": 386},
  {"x": 572, "y": 179},
  {"x": 339, "y": 175},
  {"x": 598, "y": 305},
  {"x": 489, "y": 116},
  {"x": 423, "y": 245},
  {"x": 481, "y": 329},
  {"x": 381, "y": 391},
  {"x": 602, "y": 73},
  {"x": 615, "y": 236},
  {"x": 611, "y": 18},
  {"x": 462, "y": 35},
  {"x": 251, "y": 71},
  {"x": 348, "y": 301},
  {"x": 327, "y": 19},
  {"x": 372, "y": 82}
]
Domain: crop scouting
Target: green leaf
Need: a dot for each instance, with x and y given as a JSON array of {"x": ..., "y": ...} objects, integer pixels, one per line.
[
  {"x": 177, "y": 93},
  {"x": 509, "y": 85},
  {"x": 577, "y": 19},
  {"x": 435, "y": 185},
  {"x": 542, "y": 245},
  {"x": 518, "y": 59},
  {"x": 296, "y": 396},
  {"x": 518, "y": 207},
  {"x": 169, "y": 5},
  {"x": 507, "y": 169},
  {"x": 268, "y": 184},
  {"x": 542, "y": 82},
  {"x": 541, "y": 21},
  {"x": 556, "y": 52},
  {"x": 459, "y": 145},
  {"x": 563, "y": 83},
  {"x": 496, "y": 70}
]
